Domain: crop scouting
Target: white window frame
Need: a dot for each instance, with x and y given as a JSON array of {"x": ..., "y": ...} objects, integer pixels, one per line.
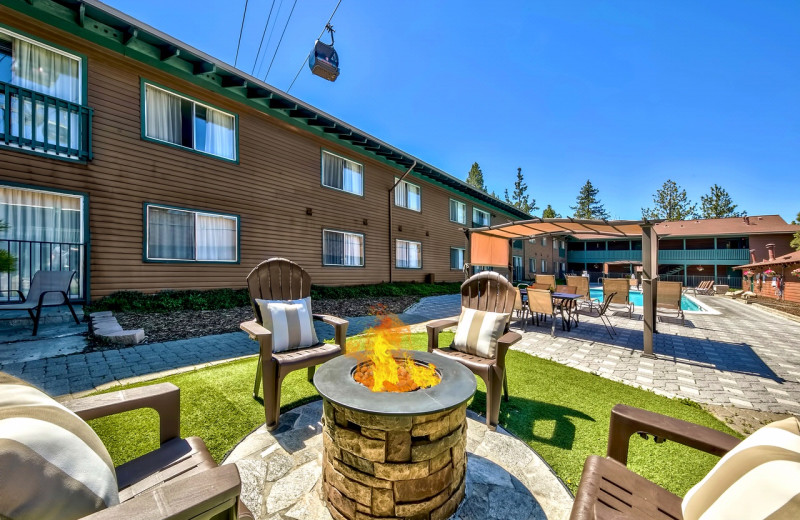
[
  {"x": 544, "y": 266},
  {"x": 405, "y": 202},
  {"x": 322, "y": 173},
  {"x": 194, "y": 102},
  {"x": 397, "y": 257},
  {"x": 196, "y": 213},
  {"x": 363, "y": 252},
  {"x": 458, "y": 204},
  {"x": 463, "y": 257},
  {"x": 544, "y": 241},
  {"x": 532, "y": 265},
  {"x": 476, "y": 211}
]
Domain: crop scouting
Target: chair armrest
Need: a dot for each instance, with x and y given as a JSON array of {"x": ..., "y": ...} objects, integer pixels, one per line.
[
  {"x": 627, "y": 420},
  {"x": 503, "y": 343},
  {"x": 339, "y": 328},
  {"x": 259, "y": 333},
  {"x": 210, "y": 491},
  {"x": 22, "y": 296},
  {"x": 434, "y": 328},
  {"x": 164, "y": 398},
  {"x": 45, "y": 293}
]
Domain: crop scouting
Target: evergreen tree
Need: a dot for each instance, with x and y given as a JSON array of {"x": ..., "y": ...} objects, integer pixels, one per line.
[
  {"x": 671, "y": 203},
  {"x": 795, "y": 243},
  {"x": 549, "y": 212},
  {"x": 587, "y": 205},
  {"x": 475, "y": 178},
  {"x": 519, "y": 198},
  {"x": 6, "y": 259},
  {"x": 718, "y": 204}
]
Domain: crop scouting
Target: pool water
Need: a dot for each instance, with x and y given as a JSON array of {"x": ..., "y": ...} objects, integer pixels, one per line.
[{"x": 636, "y": 299}]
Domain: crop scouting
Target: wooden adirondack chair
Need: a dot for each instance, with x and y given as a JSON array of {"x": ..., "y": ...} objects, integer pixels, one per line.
[{"x": 282, "y": 279}]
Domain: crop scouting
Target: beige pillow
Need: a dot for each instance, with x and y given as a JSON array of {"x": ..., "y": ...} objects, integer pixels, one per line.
[
  {"x": 290, "y": 322},
  {"x": 52, "y": 464},
  {"x": 759, "y": 478},
  {"x": 478, "y": 332}
]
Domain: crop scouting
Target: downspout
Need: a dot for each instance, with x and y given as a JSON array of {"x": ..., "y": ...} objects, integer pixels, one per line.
[{"x": 391, "y": 203}]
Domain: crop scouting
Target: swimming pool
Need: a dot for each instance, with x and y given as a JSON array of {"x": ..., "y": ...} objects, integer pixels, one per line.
[{"x": 636, "y": 298}]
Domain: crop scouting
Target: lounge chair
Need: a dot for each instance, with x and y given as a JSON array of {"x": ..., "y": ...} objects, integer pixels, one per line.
[
  {"x": 608, "y": 489},
  {"x": 706, "y": 287},
  {"x": 548, "y": 279},
  {"x": 178, "y": 480},
  {"x": 487, "y": 291},
  {"x": 581, "y": 283},
  {"x": 48, "y": 289},
  {"x": 669, "y": 298},
  {"x": 282, "y": 280},
  {"x": 616, "y": 290}
]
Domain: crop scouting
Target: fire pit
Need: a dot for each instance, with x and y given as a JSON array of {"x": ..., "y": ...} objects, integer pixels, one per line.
[{"x": 394, "y": 454}]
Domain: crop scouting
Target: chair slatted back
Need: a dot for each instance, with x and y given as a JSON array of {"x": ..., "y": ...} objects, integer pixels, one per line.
[
  {"x": 668, "y": 295},
  {"x": 581, "y": 283},
  {"x": 540, "y": 300},
  {"x": 566, "y": 289},
  {"x": 540, "y": 286},
  {"x": 489, "y": 291},
  {"x": 518, "y": 300},
  {"x": 44, "y": 281},
  {"x": 277, "y": 279},
  {"x": 619, "y": 287},
  {"x": 549, "y": 279}
]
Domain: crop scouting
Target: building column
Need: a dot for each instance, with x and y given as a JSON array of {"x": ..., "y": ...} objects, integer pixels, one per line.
[{"x": 649, "y": 286}]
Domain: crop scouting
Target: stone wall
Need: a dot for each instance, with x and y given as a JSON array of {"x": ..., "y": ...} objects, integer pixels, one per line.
[{"x": 391, "y": 466}]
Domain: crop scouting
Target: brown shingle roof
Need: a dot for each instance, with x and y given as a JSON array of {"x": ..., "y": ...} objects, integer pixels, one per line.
[
  {"x": 736, "y": 226},
  {"x": 791, "y": 258}
]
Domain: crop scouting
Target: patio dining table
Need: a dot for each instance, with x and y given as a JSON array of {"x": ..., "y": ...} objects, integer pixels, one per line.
[{"x": 566, "y": 302}]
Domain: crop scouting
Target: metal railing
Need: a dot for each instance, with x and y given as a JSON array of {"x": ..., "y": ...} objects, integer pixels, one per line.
[
  {"x": 39, "y": 122},
  {"x": 733, "y": 282},
  {"x": 33, "y": 256},
  {"x": 664, "y": 255}
]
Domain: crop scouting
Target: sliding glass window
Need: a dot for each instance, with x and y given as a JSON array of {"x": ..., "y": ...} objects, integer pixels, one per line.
[
  {"x": 182, "y": 235},
  {"x": 342, "y": 174},
  {"x": 408, "y": 254},
  {"x": 341, "y": 248}
]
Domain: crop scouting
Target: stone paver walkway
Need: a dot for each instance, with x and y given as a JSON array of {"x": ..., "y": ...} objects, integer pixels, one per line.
[
  {"x": 745, "y": 357},
  {"x": 506, "y": 480}
]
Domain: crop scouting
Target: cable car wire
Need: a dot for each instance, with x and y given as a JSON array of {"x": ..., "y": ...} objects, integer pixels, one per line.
[
  {"x": 262, "y": 38},
  {"x": 279, "y": 41},
  {"x": 241, "y": 30},
  {"x": 269, "y": 39},
  {"x": 309, "y": 52}
]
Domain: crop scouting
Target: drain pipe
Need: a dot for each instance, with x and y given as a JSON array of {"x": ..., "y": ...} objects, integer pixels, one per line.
[{"x": 391, "y": 203}]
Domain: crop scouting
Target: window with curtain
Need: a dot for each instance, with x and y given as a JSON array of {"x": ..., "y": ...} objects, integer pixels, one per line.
[
  {"x": 178, "y": 120},
  {"x": 342, "y": 174},
  {"x": 341, "y": 248},
  {"x": 458, "y": 212},
  {"x": 407, "y": 195},
  {"x": 480, "y": 218},
  {"x": 46, "y": 70},
  {"x": 457, "y": 258},
  {"x": 544, "y": 266},
  {"x": 184, "y": 235},
  {"x": 532, "y": 265},
  {"x": 408, "y": 254}
]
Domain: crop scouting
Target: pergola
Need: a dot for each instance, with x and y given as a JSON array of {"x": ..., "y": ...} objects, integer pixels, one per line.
[{"x": 491, "y": 246}]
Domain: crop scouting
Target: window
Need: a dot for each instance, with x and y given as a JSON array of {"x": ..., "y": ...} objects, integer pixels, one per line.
[
  {"x": 341, "y": 248},
  {"x": 178, "y": 120},
  {"x": 544, "y": 266},
  {"x": 555, "y": 244},
  {"x": 407, "y": 195},
  {"x": 409, "y": 254},
  {"x": 457, "y": 258},
  {"x": 34, "y": 66},
  {"x": 184, "y": 235},
  {"x": 458, "y": 212},
  {"x": 544, "y": 241},
  {"x": 517, "y": 264},
  {"x": 480, "y": 218},
  {"x": 342, "y": 174},
  {"x": 532, "y": 265}
]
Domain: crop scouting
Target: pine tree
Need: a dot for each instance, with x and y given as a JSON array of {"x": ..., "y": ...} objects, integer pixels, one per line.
[
  {"x": 795, "y": 243},
  {"x": 549, "y": 212},
  {"x": 475, "y": 178},
  {"x": 587, "y": 205},
  {"x": 6, "y": 259},
  {"x": 519, "y": 197},
  {"x": 671, "y": 203},
  {"x": 718, "y": 204}
]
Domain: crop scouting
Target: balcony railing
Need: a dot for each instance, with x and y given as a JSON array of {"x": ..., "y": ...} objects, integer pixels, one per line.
[
  {"x": 35, "y": 121},
  {"x": 665, "y": 256},
  {"x": 33, "y": 256}
]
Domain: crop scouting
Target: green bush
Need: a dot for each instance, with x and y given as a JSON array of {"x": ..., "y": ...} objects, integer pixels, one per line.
[{"x": 165, "y": 301}]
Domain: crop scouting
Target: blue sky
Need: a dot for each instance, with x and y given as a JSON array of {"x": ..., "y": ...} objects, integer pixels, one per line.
[{"x": 625, "y": 93}]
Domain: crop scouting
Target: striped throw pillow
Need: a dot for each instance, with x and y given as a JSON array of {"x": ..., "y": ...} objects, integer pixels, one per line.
[
  {"x": 290, "y": 322},
  {"x": 52, "y": 464},
  {"x": 478, "y": 332},
  {"x": 758, "y": 479}
]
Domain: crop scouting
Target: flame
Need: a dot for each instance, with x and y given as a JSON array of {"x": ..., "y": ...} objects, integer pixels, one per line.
[{"x": 387, "y": 369}]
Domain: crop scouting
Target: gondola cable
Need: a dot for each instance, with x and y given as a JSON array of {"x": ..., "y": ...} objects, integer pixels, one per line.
[
  {"x": 241, "y": 30},
  {"x": 262, "y": 38},
  {"x": 279, "y": 41},
  {"x": 305, "y": 60},
  {"x": 269, "y": 39}
]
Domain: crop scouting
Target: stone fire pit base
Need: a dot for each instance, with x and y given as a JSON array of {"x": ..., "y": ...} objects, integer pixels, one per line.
[{"x": 281, "y": 473}]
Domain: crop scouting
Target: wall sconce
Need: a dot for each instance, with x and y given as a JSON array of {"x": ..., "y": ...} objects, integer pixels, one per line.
[
  {"x": 365, "y": 221},
  {"x": 309, "y": 211},
  {"x": 399, "y": 228},
  {"x": 427, "y": 233}
]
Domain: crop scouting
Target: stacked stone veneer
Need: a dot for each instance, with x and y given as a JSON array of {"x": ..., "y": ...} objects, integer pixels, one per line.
[{"x": 393, "y": 466}]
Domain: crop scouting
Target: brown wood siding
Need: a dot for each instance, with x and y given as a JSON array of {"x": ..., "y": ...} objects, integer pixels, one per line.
[{"x": 277, "y": 178}]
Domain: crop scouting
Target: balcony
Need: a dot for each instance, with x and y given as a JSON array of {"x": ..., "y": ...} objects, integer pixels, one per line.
[
  {"x": 692, "y": 256},
  {"x": 55, "y": 126}
]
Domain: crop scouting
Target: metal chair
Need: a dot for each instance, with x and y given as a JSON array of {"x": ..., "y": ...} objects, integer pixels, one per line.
[{"x": 48, "y": 289}]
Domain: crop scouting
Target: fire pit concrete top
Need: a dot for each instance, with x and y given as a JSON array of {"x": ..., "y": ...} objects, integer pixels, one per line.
[{"x": 334, "y": 381}]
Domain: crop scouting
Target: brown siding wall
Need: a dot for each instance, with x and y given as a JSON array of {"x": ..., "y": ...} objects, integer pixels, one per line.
[
  {"x": 276, "y": 180},
  {"x": 781, "y": 241}
]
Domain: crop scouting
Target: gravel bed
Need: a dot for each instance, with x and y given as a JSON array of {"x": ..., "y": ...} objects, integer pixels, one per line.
[{"x": 783, "y": 306}]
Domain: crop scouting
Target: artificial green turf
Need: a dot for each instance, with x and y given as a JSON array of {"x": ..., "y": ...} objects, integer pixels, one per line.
[{"x": 562, "y": 413}]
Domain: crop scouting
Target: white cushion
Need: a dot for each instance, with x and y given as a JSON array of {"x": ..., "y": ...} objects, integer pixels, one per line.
[
  {"x": 758, "y": 479},
  {"x": 290, "y": 322},
  {"x": 478, "y": 332}
]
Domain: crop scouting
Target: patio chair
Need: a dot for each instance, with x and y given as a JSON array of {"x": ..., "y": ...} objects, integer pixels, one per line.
[
  {"x": 279, "y": 279},
  {"x": 549, "y": 279},
  {"x": 487, "y": 291},
  {"x": 601, "y": 313},
  {"x": 177, "y": 480},
  {"x": 581, "y": 283},
  {"x": 706, "y": 287},
  {"x": 540, "y": 302},
  {"x": 519, "y": 307},
  {"x": 48, "y": 289},
  {"x": 619, "y": 287},
  {"x": 668, "y": 298},
  {"x": 608, "y": 489}
]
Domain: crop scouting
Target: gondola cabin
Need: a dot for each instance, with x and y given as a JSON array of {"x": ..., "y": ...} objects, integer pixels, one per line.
[{"x": 324, "y": 61}]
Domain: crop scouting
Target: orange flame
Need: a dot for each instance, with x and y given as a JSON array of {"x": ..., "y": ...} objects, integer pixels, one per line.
[{"x": 384, "y": 368}]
